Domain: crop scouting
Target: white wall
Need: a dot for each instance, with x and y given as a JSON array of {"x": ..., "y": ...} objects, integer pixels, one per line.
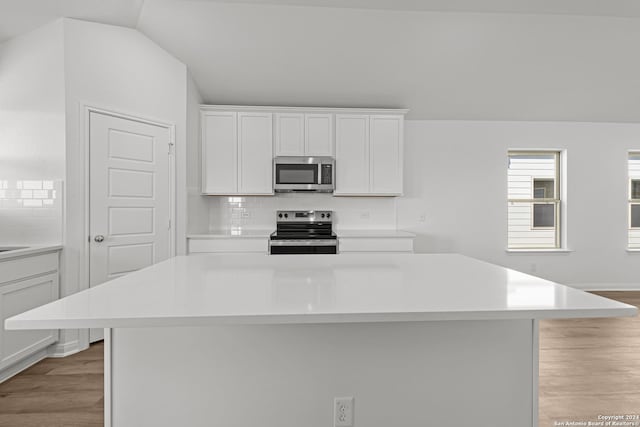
[
  {"x": 456, "y": 176},
  {"x": 197, "y": 205},
  {"x": 32, "y": 134},
  {"x": 117, "y": 69},
  {"x": 441, "y": 65}
]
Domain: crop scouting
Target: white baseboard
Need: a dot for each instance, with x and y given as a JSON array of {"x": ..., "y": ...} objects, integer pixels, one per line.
[
  {"x": 64, "y": 349},
  {"x": 54, "y": 350},
  {"x": 20, "y": 366},
  {"x": 606, "y": 286}
]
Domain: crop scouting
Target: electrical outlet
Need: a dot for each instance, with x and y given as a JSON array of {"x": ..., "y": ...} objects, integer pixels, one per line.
[
  {"x": 364, "y": 215},
  {"x": 343, "y": 412},
  {"x": 422, "y": 217}
]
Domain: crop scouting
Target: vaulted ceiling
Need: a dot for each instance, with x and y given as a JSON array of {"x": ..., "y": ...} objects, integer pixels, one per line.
[
  {"x": 516, "y": 60},
  {"x": 620, "y": 8},
  {"x": 21, "y": 16}
]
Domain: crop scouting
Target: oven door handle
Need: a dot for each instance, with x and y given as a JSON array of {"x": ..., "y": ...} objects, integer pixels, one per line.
[{"x": 319, "y": 242}]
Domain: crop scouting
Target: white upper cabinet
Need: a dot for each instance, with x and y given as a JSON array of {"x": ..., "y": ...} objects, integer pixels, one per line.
[
  {"x": 289, "y": 134},
  {"x": 219, "y": 152},
  {"x": 255, "y": 138},
  {"x": 318, "y": 130},
  {"x": 239, "y": 143},
  {"x": 299, "y": 134},
  {"x": 352, "y": 154},
  {"x": 237, "y": 152},
  {"x": 385, "y": 151},
  {"x": 369, "y": 155}
]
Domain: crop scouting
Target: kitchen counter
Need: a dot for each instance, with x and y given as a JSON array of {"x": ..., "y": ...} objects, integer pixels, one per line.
[
  {"x": 372, "y": 234},
  {"x": 26, "y": 250},
  {"x": 29, "y": 277},
  {"x": 207, "y": 289},
  {"x": 241, "y": 339},
  {"x": 227, "y": 234},
  {"x": 232, "y": 234}
]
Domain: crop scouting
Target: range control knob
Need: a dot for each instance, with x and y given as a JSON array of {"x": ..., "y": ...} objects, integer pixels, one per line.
[
  {"x": 322, "y": 215},
  {"x": 279, "y": 215},
  {"x": 286, "y": 215},
  {"x": 328, "y": 215}
]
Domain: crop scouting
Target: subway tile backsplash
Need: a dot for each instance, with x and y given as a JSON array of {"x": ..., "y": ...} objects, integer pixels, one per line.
[
  {"x": 257, "y": 213},
  {"x": 30, "y": 212}
]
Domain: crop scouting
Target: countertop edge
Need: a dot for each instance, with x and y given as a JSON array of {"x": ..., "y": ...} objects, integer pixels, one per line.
[
  {"x": 15, "y": 323},
  {"x": 375, "y": 234},
  {"x": 346, "y": 234},
  {"x": 257, "y": 234}
]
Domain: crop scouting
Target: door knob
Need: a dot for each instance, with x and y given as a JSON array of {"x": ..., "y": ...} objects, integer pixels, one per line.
[{"x": 99, "y": 238}]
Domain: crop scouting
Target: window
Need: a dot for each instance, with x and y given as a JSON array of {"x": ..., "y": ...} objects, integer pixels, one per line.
[
  {"x": 534, "y": 200},
  {"x": 634, "y": 200}
]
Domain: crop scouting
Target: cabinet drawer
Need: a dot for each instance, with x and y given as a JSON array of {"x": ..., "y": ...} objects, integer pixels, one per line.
[
  {"x": 223, "y": 245},
  {"x": 382, "y": 244},
  {"x": 30, "y": 265}
]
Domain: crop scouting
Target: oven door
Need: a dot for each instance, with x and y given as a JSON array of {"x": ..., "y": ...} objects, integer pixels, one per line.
[{"x": 298, "y": 174}]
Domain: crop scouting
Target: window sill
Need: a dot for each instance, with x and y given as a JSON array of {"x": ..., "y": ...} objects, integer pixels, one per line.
[{"x": 539, "y": 251}]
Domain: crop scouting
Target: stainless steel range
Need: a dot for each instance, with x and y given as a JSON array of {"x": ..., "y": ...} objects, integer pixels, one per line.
[{"x": 303, "y": 232}]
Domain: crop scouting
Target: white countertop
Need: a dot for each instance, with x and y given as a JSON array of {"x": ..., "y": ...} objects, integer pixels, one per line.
[
  {"x": 228, "y": 234},
  {"x": 261, "y": 289},
  {"x": 374, "y": 234},
  {"x": 232, "y": 234},
  {"x": 26, "y": 250}
]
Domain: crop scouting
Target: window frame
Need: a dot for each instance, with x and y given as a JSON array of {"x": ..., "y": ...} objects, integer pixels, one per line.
[
  {"x": 631, "y": 202},
  {"x": 543, "y": 202},
  {"x": 556, "y": 200}
]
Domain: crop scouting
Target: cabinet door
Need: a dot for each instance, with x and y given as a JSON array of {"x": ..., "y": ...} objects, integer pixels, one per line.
[
  {"x": 386, "y": 134},
  {"x": 318, "y": 135},
  {"x": 219, "y": 153},
  {"x": 352, "y": 154},
  {"x": 16, "y": 298},
  {"x": 255, "y": 139},
  {"x": 289, "y": 134}
]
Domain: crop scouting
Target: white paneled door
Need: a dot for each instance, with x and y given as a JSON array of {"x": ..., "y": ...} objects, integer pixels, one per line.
[{"x": 130, "y": 197}]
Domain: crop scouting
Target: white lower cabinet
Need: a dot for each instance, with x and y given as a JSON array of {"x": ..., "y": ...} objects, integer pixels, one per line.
[
  {"x": 359, "y": 242},
  {"x": 376, "y": 244},
  {"x": 228, "y": 245},
  {"x": 27, "y": 282}
]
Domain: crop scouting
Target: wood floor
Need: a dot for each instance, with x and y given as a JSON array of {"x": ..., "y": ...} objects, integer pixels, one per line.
[
  {"x": 590, "y": 367},
  {"x": 66, "y": 392},
  {"x": 587, "y": 367}
]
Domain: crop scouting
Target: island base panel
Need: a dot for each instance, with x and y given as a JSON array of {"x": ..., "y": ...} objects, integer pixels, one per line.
[{"x": 446, "y": 374}]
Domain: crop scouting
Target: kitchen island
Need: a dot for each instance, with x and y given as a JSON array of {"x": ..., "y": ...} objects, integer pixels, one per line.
[{"x": 256, "y": 340}]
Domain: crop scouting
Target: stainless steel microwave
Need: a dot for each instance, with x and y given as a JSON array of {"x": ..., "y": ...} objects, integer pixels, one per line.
[{"x": 304, "y": 174}]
